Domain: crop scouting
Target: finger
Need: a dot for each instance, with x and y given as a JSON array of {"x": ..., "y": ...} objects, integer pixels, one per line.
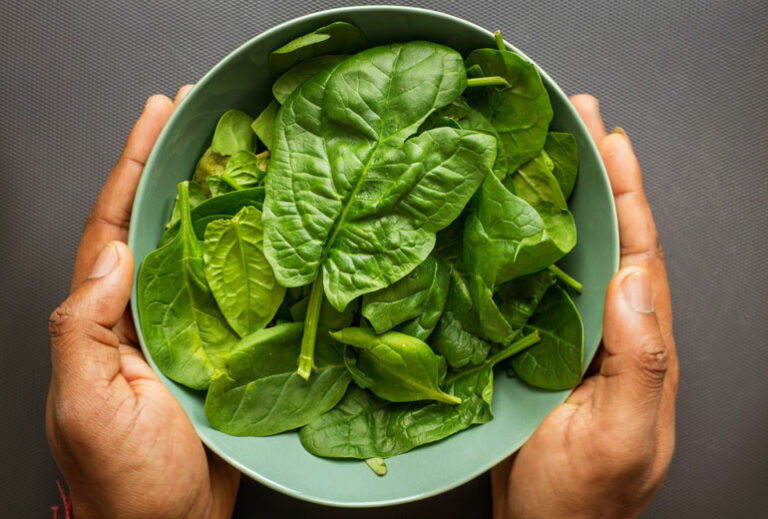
[
  {"x": 84, "y": 349},
  {"x": 500, "y": 486},
  {"x": 630, "y": 385},
  {"x": 639, "y": 239},
  {"x": 111, "y": 213},
  {"x": 181, "y": 94},
  {"x": 589, "y": 110}
]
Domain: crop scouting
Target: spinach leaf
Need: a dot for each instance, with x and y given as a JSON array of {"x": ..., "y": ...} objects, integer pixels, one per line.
[
  {"x": 396, "y": 366},
  {"x": 233, "y": 133},
  {"x": 421, "y": 326},
  {"x": 519, "y": 298},
  {"x": 505, "y": 237},
  {"x": 366, "y": 426},
  {"x": 409, "y": 297},
  {"x": 296, "y": 76},
  {"x": 211, "y": 164},
  {"x": 555, "y": 362},
  {"x": 223, "y": 206},
  {"x": 534, "y": 182},
  {"x": 261, "y": 393},
  {"x": 245, "y": 169},
  {"x": 264, "y": 125},
  {"x": 351, "y": 203},
  {"x": 183, "y": 328},
  {"x": 520, "y": 113},
  {"x": 336, "y": 38},
  {"x": 562, "y": 149},
  {"x": 217, "y": 186},
  {"x": 474, "y": 120},
  {"x": 239, "y": 275},
  {"x": 196, "y": 197}
]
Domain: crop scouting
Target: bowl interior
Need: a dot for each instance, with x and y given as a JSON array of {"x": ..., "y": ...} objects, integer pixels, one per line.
[{"x": 242, "y": 80}]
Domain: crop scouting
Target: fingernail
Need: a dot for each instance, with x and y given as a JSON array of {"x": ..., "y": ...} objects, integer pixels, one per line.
[
  {"x": 105, "y": 263},
  {"x": 620, "y": 131},
  {"x": 637, "y": 291}
]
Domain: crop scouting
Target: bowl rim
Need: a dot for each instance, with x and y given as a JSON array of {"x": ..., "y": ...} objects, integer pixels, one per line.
[{"x": 143, "y": 186}]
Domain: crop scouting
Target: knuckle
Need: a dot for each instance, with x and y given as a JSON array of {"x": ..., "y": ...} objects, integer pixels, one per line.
[
  {"x": 653, "y": 359},
  {"x": 61, "y": 321}
]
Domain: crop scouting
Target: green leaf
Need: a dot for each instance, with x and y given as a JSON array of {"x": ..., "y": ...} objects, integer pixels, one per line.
[
  {"x": 562, "y": 149},
  {"x": 296, "y": 76},
  {"x": 196, "y": 197},
  {"x": 261, "y": 393},
  {"x": 329, "y": 316},
  {"x": 365, "y": 426},
  {"x": 239, "y": 275},
  {"x": 216, "y": 208},
  {"x": 406, "y": 299},
  {"x": 422, "y": 326},
  {"x": 184, "y": 331},
  {"x": 336, "y": 38},
  {"x": 396, "y": 366},
  {"x": 348, "y": 196},
  {"x": 474, "y": 120},
  {"x": 233, "y": 133},
  {"x": 534, "y": 182},
  {"x": 519, "y": 298},
  {"x": 505, "y": 237},
  {"x": 521, "y": 113},
  {"x": 217, "y": 186},
  {"x": 211, "y": 164},
  {"x": 264, "y": 125},
  {"x": 245, "y": 169},
  {"x": 556, "y": 361}
]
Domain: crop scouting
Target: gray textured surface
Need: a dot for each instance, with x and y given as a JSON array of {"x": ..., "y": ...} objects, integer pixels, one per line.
[{"x": 685, "y": 79}]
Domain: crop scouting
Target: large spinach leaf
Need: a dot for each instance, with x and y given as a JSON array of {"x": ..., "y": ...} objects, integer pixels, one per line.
[
  {"x": 520, "y": 113},
  {"x": 351, "y": 204},
  {"x": 223, "y": 206},
  {"x": 519, "y": 298},
  {"x": 336, "y": 38},
  {"x": 395, "y": 366},
  {"x": 239, "y": 275},
  {"x": 184, "y": 330},
  {"x": 505, "y": 237},
  {"x": 562, "y": 149},
  {"x": 296, "y": 76},
  {"x": 555, "y": 362},
  {"x": 196, "y": 197},
  {"x": 261, "y": 394},
  {"x": 264, "y": 125}
]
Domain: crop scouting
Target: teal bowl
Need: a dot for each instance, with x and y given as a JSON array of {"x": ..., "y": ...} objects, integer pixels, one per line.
[{"x": 242, "y": 80}]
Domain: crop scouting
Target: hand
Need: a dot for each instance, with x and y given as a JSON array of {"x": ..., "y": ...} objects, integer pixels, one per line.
[
  {"x": 606, "y": 450},
  {"x": 123, "y": 442}
]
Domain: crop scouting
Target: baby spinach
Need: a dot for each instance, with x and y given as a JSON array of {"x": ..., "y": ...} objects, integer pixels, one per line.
[
  {"x": 260, "y": 392},
  {"x": 395, "y": 366},
  {"x": 505, "y": 237},
  {"x": 350, "y": 202},
  {"x": 224, "y": 206},
  {"x": 562, "y": 149},
  {"x": 239, "y": 275},
  {"x": 386, "y": 254},
  {"x": 296, "y": 76},
  {"x": 520, "y": 113},
  {"x": 264, "y": 125},
  {"x": 555, "y": 362},
  {"x": 184, "y": 330},
  {"x": 336, "y": 38}
]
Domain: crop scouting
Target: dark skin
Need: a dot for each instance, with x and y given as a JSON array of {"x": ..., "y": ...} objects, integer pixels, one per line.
[{"x": 128, "y": 449}]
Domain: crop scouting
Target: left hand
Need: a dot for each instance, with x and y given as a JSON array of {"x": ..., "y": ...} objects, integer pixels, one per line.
[{"x": 122, "y": 441}]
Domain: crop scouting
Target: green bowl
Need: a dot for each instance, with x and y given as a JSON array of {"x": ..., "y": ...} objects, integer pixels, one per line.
[{"x": 242, "y": 80}]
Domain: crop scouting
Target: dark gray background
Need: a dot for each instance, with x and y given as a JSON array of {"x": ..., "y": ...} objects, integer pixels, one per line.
[{"x": 685, "y": 79}]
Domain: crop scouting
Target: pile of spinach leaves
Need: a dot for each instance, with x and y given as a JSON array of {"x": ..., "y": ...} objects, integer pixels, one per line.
[{"x": 356, "y": 259}]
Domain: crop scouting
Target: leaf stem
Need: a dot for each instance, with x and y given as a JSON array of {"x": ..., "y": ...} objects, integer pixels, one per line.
[
  {"x": 307, "y": 355},
  {"x": 566, "y": 279},
  {"x": 499, "y": 40},
  {"x": 514, "y": 348},
  {"x": 487, "y": 81},
  {"x": 230, "y": 182}
]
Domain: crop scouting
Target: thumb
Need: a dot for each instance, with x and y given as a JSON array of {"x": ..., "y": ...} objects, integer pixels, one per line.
[
  {"x": 83, "y": 346},
  {"x": 631, "y": 379}
]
